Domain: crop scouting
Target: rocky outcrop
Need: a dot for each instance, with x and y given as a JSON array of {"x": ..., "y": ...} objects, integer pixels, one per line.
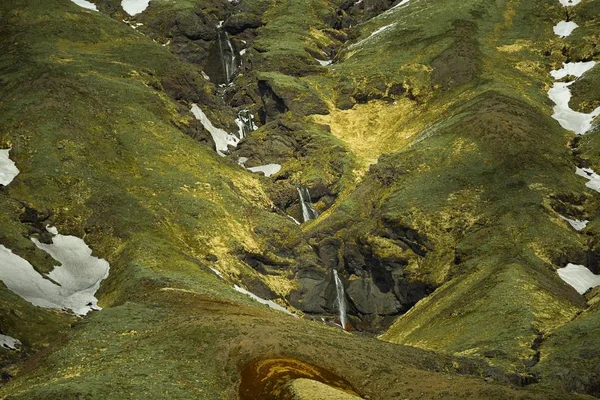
[
  {"x": 374, "y": 273},
  {"x": 316, "y": 292},
  {"x": 273, "y": 104},
  {"x": 241, "y": 22},
  {"x": 281, "y": 93},
  {"x": 368, "y": 299}
]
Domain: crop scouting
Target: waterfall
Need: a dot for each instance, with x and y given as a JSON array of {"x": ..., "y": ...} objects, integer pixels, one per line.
[
  {"x": 308, "y": 212},
  {"x": 227, "y": 53},
  {"x": 245, "y": 123},
  {"x": 340, "y": 299}
]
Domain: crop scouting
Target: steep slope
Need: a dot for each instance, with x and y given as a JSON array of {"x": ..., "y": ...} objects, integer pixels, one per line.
[{"x": 421, "y": 131}]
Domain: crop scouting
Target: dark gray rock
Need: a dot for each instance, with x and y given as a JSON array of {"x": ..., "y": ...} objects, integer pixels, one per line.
[
  {"x": 328, "y": 252},
  {"x": 311, "y": 297},
  {"x": 368, "y": 299},
  {"x": 238, "y": 23},
  {"x": 273, "y": 105},
  {"x": 194, "y": 28}
]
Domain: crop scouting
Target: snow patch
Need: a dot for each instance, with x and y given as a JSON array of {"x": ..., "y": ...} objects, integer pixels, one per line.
[
  {"x": 71, "y": 285},
  {"x": 9, "y": 343},
  {"x": 372, "y": 35},
  {"x": 268, "y": 170},
  {"x": 577, "y": 224},
  {"x": 134, "y": 7},
  {"x": 269, "y": 303},
  {"x": 574, "y": 121},
  {"x": 592, "y": 177},
  {"x": 565, "y": 28},
  {"x": 221, "y": 138},
  {"x": 324, "y": 63},
  {"x": 569, "y": 3},
  {"x": 217, "y": 272},
  {"x": 402, "y": 3},
  {"x": 8, "y": 169},
  {"x": 576, "y": 69},
  {"x": 379, "y": 30},
  {"x": 578, "y": 276},
  {"x": 391, "y": 9},
  {"x": 560, "y": 94},
  {"x": 85, "y": 4}
]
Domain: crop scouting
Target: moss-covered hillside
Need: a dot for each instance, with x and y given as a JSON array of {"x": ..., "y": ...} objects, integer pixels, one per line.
[{"x": 420, "y": 131}]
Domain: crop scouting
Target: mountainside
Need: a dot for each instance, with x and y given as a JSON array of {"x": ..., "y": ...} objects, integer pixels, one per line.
[{"x": 285, "y": 199}]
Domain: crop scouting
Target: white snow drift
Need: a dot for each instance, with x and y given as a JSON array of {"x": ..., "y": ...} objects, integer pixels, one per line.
[
  {"x": 592, "y": 177},
  {"x": 569, "y": 3},
  {"x": 268, "y": 170},
  {"x": 577, "y": 224},
  {"x": 221, "y": 138},
  {"x": 375, "y": 33},
  {"x": 9, "y": 343},
  {"x": 560, "y": 94},
  {"x": 576, "y": 69},
  {"x": 578, "y": 276},
  {"x": 8, "y": 169},
  {"x": 134, "y": 7},
  {"x": 261, "y": 300},
  {"x": 324, "y": 63},
  {"x": 565, "y": 28},
  {"x": 71, "y": 285},
  {"x": 86, "y": 4},
  {"x": 402, "y": 3}
]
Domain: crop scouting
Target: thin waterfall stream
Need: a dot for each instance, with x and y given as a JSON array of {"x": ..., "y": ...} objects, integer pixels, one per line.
[
  {"x": 340, "y": 299},
  {"x": 308, "y": 212},
  {"x": 228, "y": 55}
]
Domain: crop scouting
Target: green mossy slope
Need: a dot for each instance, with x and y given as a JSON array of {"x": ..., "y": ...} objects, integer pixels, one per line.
[{"x": 428, "y": 145}]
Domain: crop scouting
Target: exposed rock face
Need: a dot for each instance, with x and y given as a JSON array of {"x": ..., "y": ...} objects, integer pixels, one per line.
[
  {"x": 316, "y": 294},
  {"x": 273, "y": 105},
  {"x": 374, "y": 271},
  {"x": 368, "y": 299},
  {"x": 195, "y": 27},
  {"x": 240, "y": 22}
]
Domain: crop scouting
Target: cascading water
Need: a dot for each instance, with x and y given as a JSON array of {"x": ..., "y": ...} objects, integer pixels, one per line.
[
  {"x": 245, "y": 123},
  {"x": 227, "y": 53},
  {"x": 340, "y": 299},
  {"x": 308, "y": 212}
]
